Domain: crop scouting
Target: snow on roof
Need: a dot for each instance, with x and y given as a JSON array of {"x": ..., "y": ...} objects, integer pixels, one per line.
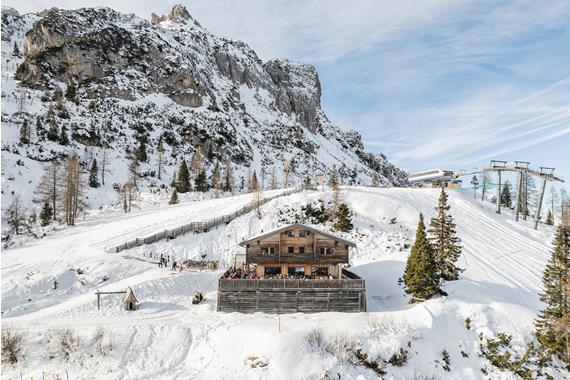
[{"x": 295, "y": 225}]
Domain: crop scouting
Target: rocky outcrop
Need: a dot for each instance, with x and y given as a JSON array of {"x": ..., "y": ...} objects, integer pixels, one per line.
[{"x": 223, "y": 98}]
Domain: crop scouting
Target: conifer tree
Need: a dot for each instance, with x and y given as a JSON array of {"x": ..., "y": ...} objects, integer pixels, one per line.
[
  {"x": 53, "y": 131},
  {"x": 71, "y": 92},
  {"x": 40, "y": 129},
  {"x": 134, "y": 170},
  {"x": 420, "y": 275},
  {"x": 555, "y": 296},
  {"x": 183, "y": 181},
  {"x": 333, "y": 178},
  {"x": 57, "y": 94},
  {"x": 25, "y": 133},
  {"x": 201, "y": 182},
  {"x": 343, "y": 218},
  {"x": 16, "y": 51},
  {"x": 506, "y": 198},
  {"x": 160, "y": 150},
  {"x": 174, "y": 197},
  {"x": 46, "y": 214},
  {"x": 63, "y": 138},
  {"x": 549, "y": 221},
  {"x": 228, "y": 177},
  {"x": 445, "y": 243},
  {"x": 93, "y": 174},
  {"x": 15, "y": 216}
]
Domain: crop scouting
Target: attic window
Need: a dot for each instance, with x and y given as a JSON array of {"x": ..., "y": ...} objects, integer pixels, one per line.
[
  {"x": 302, "y": 233},
  {"x": 291, "y": 233}
]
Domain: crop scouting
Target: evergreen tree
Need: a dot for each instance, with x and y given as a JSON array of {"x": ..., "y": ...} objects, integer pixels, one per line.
[
  {"x": 420, "y": 275},
  {"x": 134, "y": 170},
  {"x": 25, "y": 133},
  {"x": 333, "y": 178},
  {"x": 215, "y": 177},
  {"x": 549, "y": 219},
  {"x": 555, "y": 296},
  {"x": 63, "y": 138},
  {"x": 71, "y": 92},
  {"x": 183, "y": 181},
  {"x": 201, "y": 182},
  {"x": 40, "y": 129},
  {"x": 93, "y": 174},
  {"x": 445, "y": 243},
  {"x": 506, "y": 199},
  {"x": 16, "y": 51},
  {"x": 57, "y": 94},
  {"x": 173, "y": 198},
  {"x": 343, "y": 218},
  {"x": 15, "y": 216},
  {"x": 53, "y": 131},
  {"x": 46, "y": 214},
  {"x": 228, "y": 177},
  {"x": 141, "y": 152}
]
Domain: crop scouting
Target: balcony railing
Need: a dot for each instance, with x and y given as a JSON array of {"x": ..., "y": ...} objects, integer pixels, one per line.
[{"x": 248, "y": 284}]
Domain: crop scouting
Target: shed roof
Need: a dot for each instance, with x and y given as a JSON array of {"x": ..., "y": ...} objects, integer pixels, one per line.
[{"x": 295, "y": 225}]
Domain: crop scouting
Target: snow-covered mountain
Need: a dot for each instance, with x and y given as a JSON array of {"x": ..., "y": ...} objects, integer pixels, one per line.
[{"x": 139, "y": 81}]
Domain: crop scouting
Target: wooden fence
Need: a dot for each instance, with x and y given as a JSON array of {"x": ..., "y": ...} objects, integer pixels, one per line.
[{"x": 197, "y": 227}]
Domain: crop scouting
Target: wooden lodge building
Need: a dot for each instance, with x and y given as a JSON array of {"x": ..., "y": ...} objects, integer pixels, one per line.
[{"x": 296, "y": 268}]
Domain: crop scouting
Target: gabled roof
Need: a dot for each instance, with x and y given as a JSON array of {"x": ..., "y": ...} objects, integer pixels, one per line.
[{"x": 295, "y": 225}]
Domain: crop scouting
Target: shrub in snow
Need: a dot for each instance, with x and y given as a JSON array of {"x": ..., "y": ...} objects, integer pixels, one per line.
[
  {"x": 67, "y": 342},
  {"x": 399, "y": 358},
  {"x": 446, "y": 361},
  {"x": 11, "y": 345},
  {"x": 102, "y": 339},
  {"x": 467, "y": 323}
]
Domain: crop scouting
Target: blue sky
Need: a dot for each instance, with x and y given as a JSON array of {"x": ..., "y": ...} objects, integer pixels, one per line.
[{"x": 448, "y": 84}]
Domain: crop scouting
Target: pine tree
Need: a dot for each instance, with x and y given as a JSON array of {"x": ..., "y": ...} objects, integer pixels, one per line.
[
  {"x": 549, "y": 221},
  {"x": 46, "y": 214},
  {"x": 50, "y": 187},
  {"x": 53, "y": 131},
  {"x": 160, "y": 150},
  {"x": 16, "y": 217},
  {"x": 420, "y": 275},
  {"x": 40, "y": 129},
  {"x": 16, "y": 51},
  {"x": 343, "y": 218},
  {"x": 555, "y": 296},
  {"x": 134, "y": 170},
  {"x": 201, "y": 182},
  {"x": 140, "y": 152},
  {"x": 25, "y": 133},
  {"x": 63, "y": 138},
  {"x": 174, "y": 197},
  {"x": 71, "y": 92},
  {"x": 57, "y": 94},
  {"x": 228, "y": 177},
  {"x": 93, "y": 174},
  {"x": 183, "y": 181},
  {"x": 445, "y": 243},
  {"x": 333, "y": 178},
  {"x": 506, "y": 198}
]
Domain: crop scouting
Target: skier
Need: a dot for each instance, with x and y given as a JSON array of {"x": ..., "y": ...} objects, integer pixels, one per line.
[
  {"x": 55, "y": 283},
  {"x": 174, "y": 265}
]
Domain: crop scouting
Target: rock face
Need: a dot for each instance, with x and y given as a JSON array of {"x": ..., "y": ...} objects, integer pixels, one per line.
[{"x": 171, "y": 80}]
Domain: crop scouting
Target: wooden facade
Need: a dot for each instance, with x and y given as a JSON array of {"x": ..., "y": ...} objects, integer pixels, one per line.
[
  {"x": 298, "y": 269},
  {"x": 297, "y": 247}
]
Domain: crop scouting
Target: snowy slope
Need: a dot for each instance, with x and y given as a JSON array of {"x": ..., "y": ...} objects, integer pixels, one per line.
[{"x": 171, "y": 338}]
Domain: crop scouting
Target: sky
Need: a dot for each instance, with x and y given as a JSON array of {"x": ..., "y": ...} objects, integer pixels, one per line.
[{"x": 431, "y": 84}]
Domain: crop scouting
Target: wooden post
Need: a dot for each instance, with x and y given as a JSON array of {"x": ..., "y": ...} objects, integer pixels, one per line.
[{"x": 98, "y": 300}]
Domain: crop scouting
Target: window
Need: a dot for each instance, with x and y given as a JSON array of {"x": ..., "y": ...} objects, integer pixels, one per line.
[
  {"x": 322, "y": 251},
  {"x": 323, "y": 271},
  {"x": 296, "y": 271},
  {"x": 301, "y": 249},
  {"x": 268, "y": 251},
  {"x": 290, "y": 250},
  {"x": 326, "y": 251},
  {"x": 272, "y": 270},
  {"x": 302, "y": 233},
  {"x": 291, "y": 233}
]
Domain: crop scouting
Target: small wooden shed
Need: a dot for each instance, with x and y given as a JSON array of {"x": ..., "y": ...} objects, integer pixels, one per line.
[{"x": 130, "y": 302}]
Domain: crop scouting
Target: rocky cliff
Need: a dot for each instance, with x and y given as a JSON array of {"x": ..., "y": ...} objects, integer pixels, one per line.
[{"x": 138, "y": 82}]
